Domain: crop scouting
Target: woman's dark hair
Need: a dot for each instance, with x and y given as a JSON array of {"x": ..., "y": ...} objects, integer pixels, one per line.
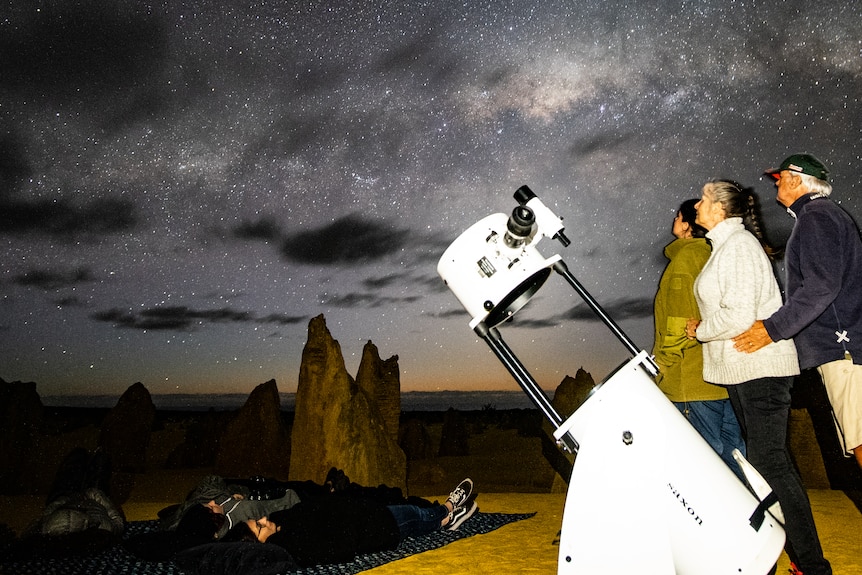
[
  {"x": 200, "y": 524},
  {"x": 240, "y": 532},
  {"x": 740, "y": 202},
  {"x": 689, "y": 213}
]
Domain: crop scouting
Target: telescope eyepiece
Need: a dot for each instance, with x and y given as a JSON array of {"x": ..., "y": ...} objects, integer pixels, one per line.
[{"x": 519, "y": 228}]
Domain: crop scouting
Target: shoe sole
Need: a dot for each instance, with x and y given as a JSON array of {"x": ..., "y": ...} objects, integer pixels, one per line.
[{"x": 460, "y": 520}]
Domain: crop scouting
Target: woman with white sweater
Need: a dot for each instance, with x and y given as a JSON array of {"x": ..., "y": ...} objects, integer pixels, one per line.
[{"x": 736, "y": 287}]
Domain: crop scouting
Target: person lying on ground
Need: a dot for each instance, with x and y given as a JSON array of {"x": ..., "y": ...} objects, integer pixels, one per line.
[
  {"x": 239, "y": 500},
  {"x": 79, "y": 516},
  {"x": 234, "y": 501},
  {"x": 337, "y": 529},
  {"x": 217, "y": 504}
]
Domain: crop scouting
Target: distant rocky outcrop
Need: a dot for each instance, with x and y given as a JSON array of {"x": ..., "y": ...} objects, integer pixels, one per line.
[
  {"x": 568, "y": 397},
  {"x": 337, "y": 422},
  {"x": 125, "y": 437},
  {"x": 21, "y": 416},
  {"x": 200, "y": 444},
  {"x": 415, "y": 440},
  {"x": 455, "y": 437},
  {"x": 125, "y": 432},
  {"x": 382, "y": 382},
  {"x": 572, "y": 392},
  {"x": 257, "y": 441}
]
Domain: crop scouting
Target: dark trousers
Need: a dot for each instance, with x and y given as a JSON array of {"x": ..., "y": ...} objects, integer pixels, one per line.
[
  {"x": 762, "y": 407},
  {"x": 716, "y": 422},
  {"x": 415, "y": 521}
]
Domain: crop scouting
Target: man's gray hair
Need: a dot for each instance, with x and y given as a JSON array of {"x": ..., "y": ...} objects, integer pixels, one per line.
[{"x": 816, "y": 185}]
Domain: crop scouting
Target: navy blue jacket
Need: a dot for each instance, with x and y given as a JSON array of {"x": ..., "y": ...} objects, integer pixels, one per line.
[{"x": 823, "y": 306}]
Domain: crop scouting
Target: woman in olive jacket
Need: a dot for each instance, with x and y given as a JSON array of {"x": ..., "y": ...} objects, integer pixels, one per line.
[{"x": 679, "y": 358}]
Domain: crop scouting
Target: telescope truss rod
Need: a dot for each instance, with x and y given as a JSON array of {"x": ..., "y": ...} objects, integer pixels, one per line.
[
  {"x": 561, "y": 268},
  {"x": 507, "y": 357}
]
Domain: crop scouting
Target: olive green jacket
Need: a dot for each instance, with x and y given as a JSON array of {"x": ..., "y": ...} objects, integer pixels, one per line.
[{"x": 680, "y": 359}]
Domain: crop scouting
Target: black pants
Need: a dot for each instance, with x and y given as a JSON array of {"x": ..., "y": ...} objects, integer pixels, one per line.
[{"x": 762, "y": 407}]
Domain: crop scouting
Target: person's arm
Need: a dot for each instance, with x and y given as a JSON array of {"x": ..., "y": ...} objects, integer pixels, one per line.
[
  {"x": 680, "y": 305},
  {"x": 255, "y": 509},
  {"x": 821, "y": 259}
]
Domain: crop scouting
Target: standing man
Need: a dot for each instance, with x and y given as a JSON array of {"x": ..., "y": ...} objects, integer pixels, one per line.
[{"x": 823, "y": 307}]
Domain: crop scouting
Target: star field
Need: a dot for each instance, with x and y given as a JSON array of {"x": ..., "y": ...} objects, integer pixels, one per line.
[{"x": 184, "y": 185}]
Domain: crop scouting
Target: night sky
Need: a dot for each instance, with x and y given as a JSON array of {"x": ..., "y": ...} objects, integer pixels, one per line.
[{"x": 184, "y": 185}]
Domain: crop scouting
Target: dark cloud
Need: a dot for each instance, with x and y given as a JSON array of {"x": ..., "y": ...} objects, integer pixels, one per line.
[
  {"x": 603, "y": 143},
  {"x": 427, "y": 249},
  {"x": 282, "y": 319},
  {"x": 626, "y": 308},
  {"x": 366, "y": 300},
  {"x": 262, "y": 229},
  {"x": 145, "y": 104},
  {"x": 536, "y": 323},
  {"x": 178, "y": 318},
  {"x": 104, "y": 62},
  {"x": 120, "y": 318},
  {"x": 70, "y": 302},
  {"x": 60, "y": 217},
  {"x": 405, "y": 56},
  {"x": 67, "y": 46},
  {"x": 14, "y": 164},
  {"x": 350, "y": 300},
  {"x": 103, "y": 216},
  {"x": 454, "y": 312},
  {"x": 290, "y": 135},
  {"x": 623, "y": 308},
  {"x": 382, "y": 282},
  {"x": 53, "y": 280},
  {"x": 352, "y": 239},
  {"x": 423, "y": 60},
  {"x": 430, "y": 283},
  {"x": 317, "y": 77},
  {"x": 182, "y": 318}
]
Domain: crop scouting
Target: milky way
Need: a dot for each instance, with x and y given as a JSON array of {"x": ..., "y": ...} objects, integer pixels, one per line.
[{"x": 185, "y": 185}]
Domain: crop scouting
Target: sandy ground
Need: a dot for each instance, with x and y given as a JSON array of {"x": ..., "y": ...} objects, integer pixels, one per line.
[{"x": 527, "y": 546}]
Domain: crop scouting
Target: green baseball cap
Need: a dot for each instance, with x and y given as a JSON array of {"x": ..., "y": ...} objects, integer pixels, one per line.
[{"x": 804, "y": 164}]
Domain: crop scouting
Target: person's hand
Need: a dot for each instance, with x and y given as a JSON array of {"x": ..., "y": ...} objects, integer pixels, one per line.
[
  {"x": 691, "y": 328},
  {"x": 262, "y": 528},
  {"x": 756, "y": 337},
  {"x": 214, "y": 507}
]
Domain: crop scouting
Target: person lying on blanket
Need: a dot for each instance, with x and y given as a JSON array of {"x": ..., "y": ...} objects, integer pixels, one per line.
[
  {"x": 79, "y": 515},
  {"x": 235, "y": 501},
  {"x": 337, "y": 529},
  {"x": 231, "y": 501},
  {"x": 236, "y": 509},
  {"x": 216, "y": 504}
]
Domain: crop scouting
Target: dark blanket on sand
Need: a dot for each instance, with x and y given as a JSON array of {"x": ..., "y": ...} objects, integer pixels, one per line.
[{"x": 118, "y": 560}]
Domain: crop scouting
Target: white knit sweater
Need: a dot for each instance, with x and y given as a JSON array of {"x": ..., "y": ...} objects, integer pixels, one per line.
[{"x": 736, "y": 287}]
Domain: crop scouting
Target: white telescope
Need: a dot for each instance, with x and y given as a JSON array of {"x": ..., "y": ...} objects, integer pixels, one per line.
[{"x": 647, "y": 493}]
